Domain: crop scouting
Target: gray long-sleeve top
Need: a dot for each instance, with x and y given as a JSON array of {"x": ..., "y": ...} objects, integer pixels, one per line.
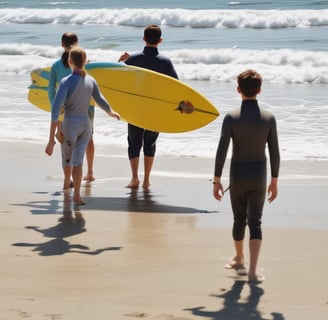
[
  {"x": 251, "y": 129},
  {"x": 75, "y": 92}
]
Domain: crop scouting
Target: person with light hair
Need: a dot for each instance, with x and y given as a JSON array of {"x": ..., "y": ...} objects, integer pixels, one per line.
[{"x": 74, "y": 93}]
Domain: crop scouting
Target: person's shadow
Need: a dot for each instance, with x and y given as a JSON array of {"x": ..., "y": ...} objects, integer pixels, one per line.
[
  {"x": 136, "y": 200},
  {"x": 233, "y": 308},
  {"x": 69, "y": 225}
]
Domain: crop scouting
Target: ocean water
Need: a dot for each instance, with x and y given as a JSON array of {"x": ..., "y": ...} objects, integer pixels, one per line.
[{"x": 210, "y": 43}]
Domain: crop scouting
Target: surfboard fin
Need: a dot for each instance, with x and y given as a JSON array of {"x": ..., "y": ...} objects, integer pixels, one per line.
[{"x": 186, "y": 106}]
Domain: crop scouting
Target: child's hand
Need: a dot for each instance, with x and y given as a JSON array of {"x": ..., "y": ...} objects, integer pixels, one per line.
[
  {"x": 50, "y": 148},
  {"x": 114, "y": 115},
  {"x": 218, "y": 191}
]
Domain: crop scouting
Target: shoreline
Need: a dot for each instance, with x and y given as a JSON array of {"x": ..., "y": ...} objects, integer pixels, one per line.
[{"x": 157, "y": 255}]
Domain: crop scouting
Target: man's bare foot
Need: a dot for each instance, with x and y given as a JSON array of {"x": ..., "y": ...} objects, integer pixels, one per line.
[
  {"x": 134, "y": 183},
  {"x": 256, "y": 278},
  {"x": 235, "y": 265},
  {"x": 89, "y": 177}
]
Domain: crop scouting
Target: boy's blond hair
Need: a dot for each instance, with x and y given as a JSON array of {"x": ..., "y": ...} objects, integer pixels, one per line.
[{"x": 78, "y": 57}]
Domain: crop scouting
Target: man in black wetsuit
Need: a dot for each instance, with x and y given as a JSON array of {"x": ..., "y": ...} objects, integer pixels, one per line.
[
  {"x": 251, "y": 128},
  {"x": 151, "y": 59}
]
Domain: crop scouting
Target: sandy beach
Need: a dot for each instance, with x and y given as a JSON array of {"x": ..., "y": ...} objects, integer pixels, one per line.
[{"x": 156, "y": 254}]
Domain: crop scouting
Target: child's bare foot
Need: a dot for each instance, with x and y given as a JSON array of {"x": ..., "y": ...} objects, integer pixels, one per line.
[
  {"x": 89, "y": 177},
  {"x": 68, "y": 186},
  {"x": 134, "y": 183},
  {"x": 146, "y": 185},
  {"x": 66, "y": 217},
  {"x": 79, "y": 218},
  {"x": 79, "y": 201},
  {"x": 256, "y": 278}
]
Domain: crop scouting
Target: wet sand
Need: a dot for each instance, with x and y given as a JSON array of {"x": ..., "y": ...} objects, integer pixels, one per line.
[{"x": 156, "y": 254}]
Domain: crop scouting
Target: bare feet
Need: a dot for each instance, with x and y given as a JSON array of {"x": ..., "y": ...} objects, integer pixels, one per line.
[
  {"x": 134, "y": 183},
  {"x": 66, "y": 217},
  {"x": 79, "y": 201},
  {"x": 146, "y": 184},
  {"x": 68, "y": 186},
  {"x": 256, "y": 278},
  {"x": 235, "y": 264},
  {"x": 79, "y": 218},
  {"x": 89, "y": 177}
]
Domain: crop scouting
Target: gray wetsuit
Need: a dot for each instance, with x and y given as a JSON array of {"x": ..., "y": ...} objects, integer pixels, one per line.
[
  {"x": 250, "y": 129},
  {"x": 75, "y": 92}
]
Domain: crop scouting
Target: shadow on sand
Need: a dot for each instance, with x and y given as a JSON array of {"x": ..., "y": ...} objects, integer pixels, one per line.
[
  {"x": 69, "y": 225},
  {"x": 136, "y": 200},
  {"x": 236, "y": 308}
]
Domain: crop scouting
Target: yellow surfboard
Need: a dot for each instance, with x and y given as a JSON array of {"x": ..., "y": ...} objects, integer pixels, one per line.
[{"x": 144, "y": 98}]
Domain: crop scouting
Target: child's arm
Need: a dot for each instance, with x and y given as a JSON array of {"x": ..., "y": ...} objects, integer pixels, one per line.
[
  {"x": 51, "y": 142},
  {"x": 102, "y": 102}
]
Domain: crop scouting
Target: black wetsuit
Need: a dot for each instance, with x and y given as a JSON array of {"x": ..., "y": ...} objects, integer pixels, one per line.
[
  {"x": 250, "y": 129},
  {"x": 138, "y": 137}
]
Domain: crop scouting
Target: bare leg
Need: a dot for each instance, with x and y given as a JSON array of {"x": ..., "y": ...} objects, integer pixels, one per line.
[
  {"x": 77, "y": 179},
  {"x": 90, "y": 154},
  {"x": 238, "y": 261},
  {"x": 254, "y": 251},
  {"x": 67, "y": 177},
  {"x": 134, "y": 164},
  {"x": 148, "y": 164}
]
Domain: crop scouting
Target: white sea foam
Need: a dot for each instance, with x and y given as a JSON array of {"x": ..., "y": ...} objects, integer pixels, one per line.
[
  {"x": 208, "y": 48},
  {"x": 276, "y": 66},
  {"x": 255, "y": 19},
  {"x": 301, "y": 112}
]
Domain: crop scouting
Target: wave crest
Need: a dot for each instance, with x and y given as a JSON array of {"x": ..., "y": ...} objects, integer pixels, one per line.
[
  {"x": 255, "y": 19},
  {"x": 279, "y": 66}
]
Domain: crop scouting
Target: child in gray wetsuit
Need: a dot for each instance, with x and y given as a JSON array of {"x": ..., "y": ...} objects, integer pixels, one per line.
[
  {"x": 74, "y": 93},
  {"x": 251, "y": 129}
]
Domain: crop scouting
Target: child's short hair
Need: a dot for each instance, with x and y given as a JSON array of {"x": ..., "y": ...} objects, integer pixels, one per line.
[
  {"x": 249, "y": 83},
  {"x": 153, "y": 34},
  {"x": 78, "y": 57}
]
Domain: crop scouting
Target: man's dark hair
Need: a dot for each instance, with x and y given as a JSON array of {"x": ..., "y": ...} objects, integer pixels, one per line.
[
  {"x": 249, "y": 83},
  {"x": 152, "y": 34}
]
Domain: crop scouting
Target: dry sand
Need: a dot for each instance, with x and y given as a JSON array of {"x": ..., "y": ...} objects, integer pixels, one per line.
[{"x": 158, "y": 254}]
